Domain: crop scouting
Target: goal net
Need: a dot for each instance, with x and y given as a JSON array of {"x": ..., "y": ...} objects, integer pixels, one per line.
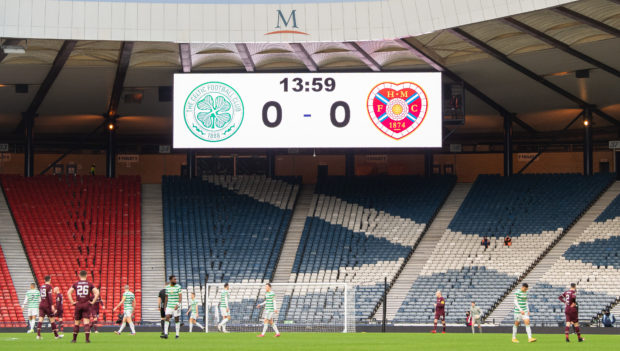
[{"x": 302, "y": 307}]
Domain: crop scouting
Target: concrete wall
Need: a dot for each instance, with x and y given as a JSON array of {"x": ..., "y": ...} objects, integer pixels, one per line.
[
  {"x": 466, "y": 166},
  {"x": 306, "y": 166},
  {"x": 150, "y": 167}
]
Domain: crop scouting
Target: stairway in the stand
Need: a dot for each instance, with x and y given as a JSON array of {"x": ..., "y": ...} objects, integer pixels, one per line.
[
  {"x": 503, "y": 309},
  {"x": 14, "y": 253},
  {"x": 153, "y": 263},
  {"x": 293, "y": 236},
  {"x": 616, "y": 311},
  {"x": 399, "y": 290}
]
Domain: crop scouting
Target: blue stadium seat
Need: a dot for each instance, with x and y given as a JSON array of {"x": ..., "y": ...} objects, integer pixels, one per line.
[
  {"x": 212, "y": 230},
  {"x": 533, "y": 210},
  {"x": 361, "y": 231},
  {"x": 593, "y": 263}
]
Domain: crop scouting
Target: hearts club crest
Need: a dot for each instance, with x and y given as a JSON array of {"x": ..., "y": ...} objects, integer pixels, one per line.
[{"x": 397, "y": 109}]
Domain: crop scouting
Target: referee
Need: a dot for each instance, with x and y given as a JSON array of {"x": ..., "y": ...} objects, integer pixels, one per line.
[{"x": 161, "y": 299}]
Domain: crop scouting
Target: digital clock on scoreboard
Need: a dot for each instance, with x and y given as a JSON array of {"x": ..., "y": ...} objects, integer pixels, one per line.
[{"x": 296, "y": 110}]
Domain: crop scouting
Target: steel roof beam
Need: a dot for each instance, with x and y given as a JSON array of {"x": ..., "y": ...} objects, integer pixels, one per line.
[
  {"x": 305, "y": 57},
  {"x": 364, "y": 56},
  {"x": 587, "y": 20},
  {"x": 124, "y": 58},
  {"x": 559, "y": 45},
  {"x": 423, "y": 53},
  {"x": 433, "y": 60},
  {"x": 186, "y": 57},
  {"x": 57, "y": 65},
  {"x": 59, "y": 62},
  {"x": 246, "y": 58},
  {"x": 504, "y": 59}
]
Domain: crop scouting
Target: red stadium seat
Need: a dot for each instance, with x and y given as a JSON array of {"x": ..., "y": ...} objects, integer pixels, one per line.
[
  {"x": 10, "y": 309},
  {"x": 72, "y": 223}
]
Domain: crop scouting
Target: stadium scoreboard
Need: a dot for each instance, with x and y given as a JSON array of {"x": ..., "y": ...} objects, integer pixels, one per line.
[{"x": 307, "y": 110}]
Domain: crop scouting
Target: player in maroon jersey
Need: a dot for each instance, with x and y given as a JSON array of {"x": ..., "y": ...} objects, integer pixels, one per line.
[
  {"x": 95, "y": 313},
  {"x": 46, "y": 307},
  {"x": 440, "y": 312},
  {"x": 59, "y": 310},
  {"x": 569, "y": 298},
  {"x": 86, "y": 294}
]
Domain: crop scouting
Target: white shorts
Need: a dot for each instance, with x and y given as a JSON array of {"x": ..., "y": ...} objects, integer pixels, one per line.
[
  {"x": 476, "y": 318},
  {"x": 193, "y": 316},
  {"x": 127, "y": 314},
  {"x": 173, "y": 312},
  {"x": 269, "y": 315},
  {"x": 521, "y": 317},
  {"x": 33, "y": 312},
  {"x": 223, "y": 312}
]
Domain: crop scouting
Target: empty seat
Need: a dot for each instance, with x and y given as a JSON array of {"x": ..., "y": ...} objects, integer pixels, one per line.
[
  {"x": 533, "y": 210},
  {"x": 78, "y": 223},
  {"x": 360, "y": 231},
  {"x": 225, "y": 229}
]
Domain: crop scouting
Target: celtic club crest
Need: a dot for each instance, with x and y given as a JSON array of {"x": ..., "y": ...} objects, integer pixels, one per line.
[
  {"x": 397, "y": 109},
  {"x": 213, "y": 111}
]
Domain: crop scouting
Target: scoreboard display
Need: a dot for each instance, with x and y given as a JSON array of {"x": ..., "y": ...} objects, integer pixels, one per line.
[{"x": 307, "y": 110}]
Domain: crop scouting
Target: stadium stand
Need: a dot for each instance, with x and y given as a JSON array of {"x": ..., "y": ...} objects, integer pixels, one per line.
[
  {"x": 593, "y": 262},
  {"x": 153, "y": 261},
  {"x": 19, "y": 271},
  {"x": 229, "y": 228},
  {"x": 534, "y": 210},
  {"x": 398, "y": 292},
  {"x": 10, "y": 309},
  {"x": 84, "y": 222},
  {"x": 616, "y": 310},
  {"x": 293, "y": 235},
  {"x": 361, "y": 231},
  {"x": 505, "y": 308}
]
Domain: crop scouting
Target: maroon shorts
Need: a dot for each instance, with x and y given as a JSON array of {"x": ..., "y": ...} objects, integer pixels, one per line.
[
  {"x": 572, "y": 315},
  {"x": 82, "y": 310},
  {"x": 45, "y": 311},
  {"x": 58, "y": 313},
  {"x": 440, "y": 315}
]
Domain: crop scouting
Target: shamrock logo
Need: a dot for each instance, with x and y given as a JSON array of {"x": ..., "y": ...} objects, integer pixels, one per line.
[
  {"x": 216, "y": 112},
  {"x": 213, "y": 111}
]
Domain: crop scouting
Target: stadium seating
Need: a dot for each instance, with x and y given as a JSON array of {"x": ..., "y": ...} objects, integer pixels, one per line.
[
  {"x": 533, "y": 209},
  {"x": 360, "y": 231},
  {"x": 229, "y": 228},
  {"x": 10, "y": 309},
  {"x": 85, "y": 222},
  {"x": 593, "y": 263}
]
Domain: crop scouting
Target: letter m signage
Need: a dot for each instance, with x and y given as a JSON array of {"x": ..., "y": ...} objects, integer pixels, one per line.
[{"x": 287, "y": 20}]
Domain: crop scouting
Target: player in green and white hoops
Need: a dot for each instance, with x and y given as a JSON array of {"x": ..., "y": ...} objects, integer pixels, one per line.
[
  {"x": 193, "y": 309},
  {"x": 32, "y": 300},
  {"x": 224, "y": 308},
  {"x": 270, "y": 310},
  {"x": 522, "y": 314},
  {"x": 173, "y": 306},
  {"x": 129, "y": 305}
]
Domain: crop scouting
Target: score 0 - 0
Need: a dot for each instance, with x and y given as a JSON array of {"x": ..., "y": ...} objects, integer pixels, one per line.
[{"x": 316, "y": 85}]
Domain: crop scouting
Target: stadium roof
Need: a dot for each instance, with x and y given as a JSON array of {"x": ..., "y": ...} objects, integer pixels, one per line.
[{"x": 480, "y": 53}]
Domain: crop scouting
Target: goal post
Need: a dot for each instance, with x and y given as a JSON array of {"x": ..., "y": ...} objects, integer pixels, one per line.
[{"x": 302, "y": 307}]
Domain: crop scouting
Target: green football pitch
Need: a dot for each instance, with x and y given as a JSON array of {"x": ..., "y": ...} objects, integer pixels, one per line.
[{"x": 306, "y": 341}]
